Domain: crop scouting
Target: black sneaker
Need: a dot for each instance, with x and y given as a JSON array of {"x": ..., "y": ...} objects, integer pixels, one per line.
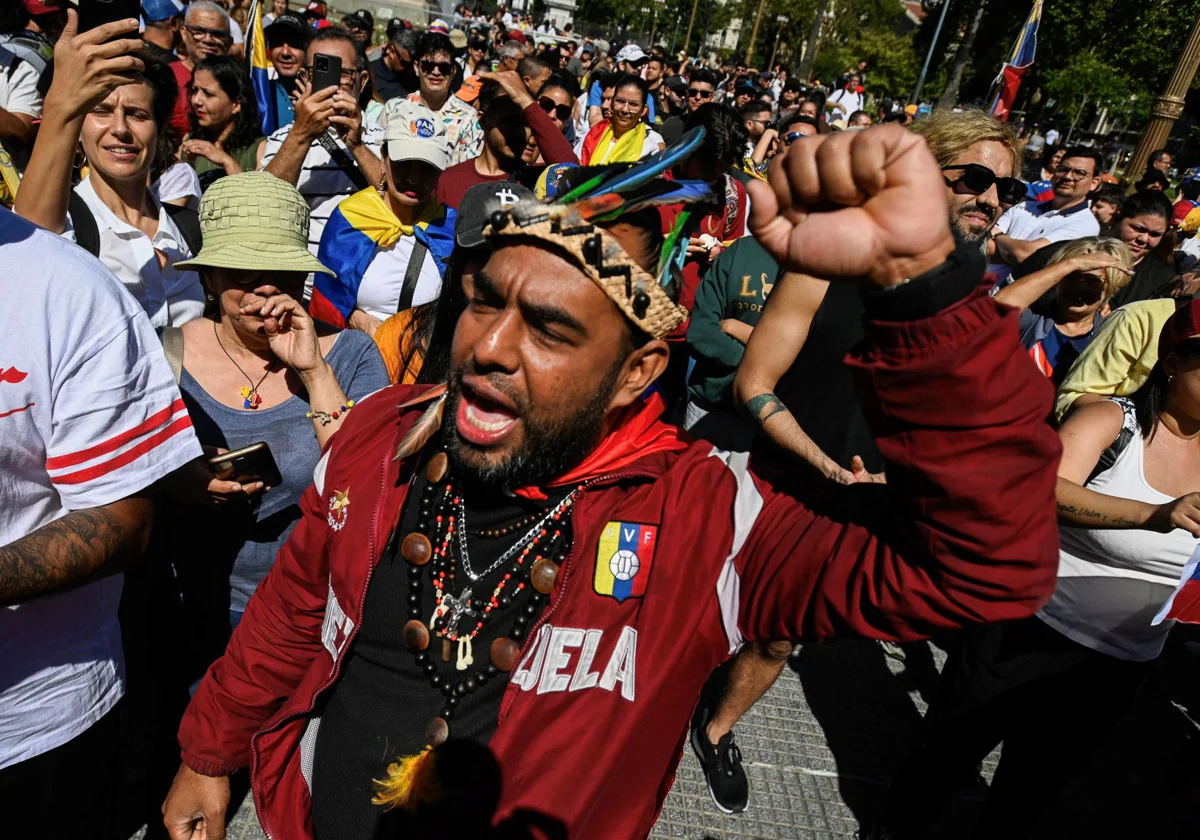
[{"x": 722, "y": 765}]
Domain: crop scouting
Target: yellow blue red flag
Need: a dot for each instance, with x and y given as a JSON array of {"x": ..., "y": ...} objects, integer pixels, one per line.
[
  {"x": 623, "y": 559},
  {"x": 260, "y": 70}
]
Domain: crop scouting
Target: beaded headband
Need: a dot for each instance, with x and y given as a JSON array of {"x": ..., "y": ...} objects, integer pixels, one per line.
[{"x": 633, "y": 289}]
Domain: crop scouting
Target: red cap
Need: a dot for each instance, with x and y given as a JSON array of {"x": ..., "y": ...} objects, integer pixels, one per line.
[
  {"x": 1181, "y": 326},
  {"x": 316, "y": 7},
  {"x": 517, "y": 35}
]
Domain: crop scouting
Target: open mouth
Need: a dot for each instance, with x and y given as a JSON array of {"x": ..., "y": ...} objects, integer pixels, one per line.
[
  {"x": 123, "y": 153},
  {"x": 483, "y": 421}
]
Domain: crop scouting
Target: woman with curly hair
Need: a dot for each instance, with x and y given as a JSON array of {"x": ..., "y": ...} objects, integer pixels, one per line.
[{"x": 226, "y": 136}]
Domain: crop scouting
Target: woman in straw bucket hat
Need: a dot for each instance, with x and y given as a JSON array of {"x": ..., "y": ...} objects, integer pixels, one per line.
[{"x": 256, "y": 369}]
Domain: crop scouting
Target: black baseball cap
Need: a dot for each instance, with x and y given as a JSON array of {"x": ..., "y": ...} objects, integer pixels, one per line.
[
  {"x": 361, "y": 19},
  {"x": 288, "y": 23},
  {"x": 678, "y": 84},
  {"x": 477, "y": 206}
]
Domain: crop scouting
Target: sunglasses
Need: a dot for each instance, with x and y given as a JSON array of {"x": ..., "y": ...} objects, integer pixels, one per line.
[
  {"x": 444, "y": 68},
  {"x": 979, "y": 179},
  {"x": 208, "y": 34},
  {"x": 563, "y": 112},
  {"x": 788, "y": 139},
  {"x": 696, "y": 93}
]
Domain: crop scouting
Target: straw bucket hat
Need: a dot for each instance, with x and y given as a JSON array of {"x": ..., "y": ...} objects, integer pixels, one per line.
[{"x": 254, "y": 221}]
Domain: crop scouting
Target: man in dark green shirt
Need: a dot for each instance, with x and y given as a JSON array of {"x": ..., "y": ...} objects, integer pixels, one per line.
[{"x": 729, "y": 302}]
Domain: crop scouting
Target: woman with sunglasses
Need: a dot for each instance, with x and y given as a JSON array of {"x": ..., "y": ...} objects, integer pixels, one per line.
[
  {"x": 226, "y": 137},
  {"x": 518, "y": 132},
  {"x": 1052, "y": 686},
  {"x": 474, "y": 60}
]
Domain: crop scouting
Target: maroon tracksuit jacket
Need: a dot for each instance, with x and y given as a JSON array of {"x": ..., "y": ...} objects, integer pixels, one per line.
[{"x": 594, "y": 718}]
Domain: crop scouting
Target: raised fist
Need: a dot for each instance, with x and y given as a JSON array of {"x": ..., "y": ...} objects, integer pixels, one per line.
[{"x": 858, "y": 205}]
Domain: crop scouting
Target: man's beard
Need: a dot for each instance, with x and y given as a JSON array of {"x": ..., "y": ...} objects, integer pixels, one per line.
[
  {"x": 969, "y": 234},
  {"x": 549, "y": 449}
]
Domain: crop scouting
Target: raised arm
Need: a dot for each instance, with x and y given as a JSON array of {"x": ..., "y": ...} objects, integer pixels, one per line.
[
  {"x": 1015, "y": 251},
  {"x": 1025, "y": 292},
  {"x": 80, "y": 547},
  {"x": 965, "y": 530},
  {"x": 773, "y": 348},
  {"x": 88, "y": 67},
  {"x": 314, "y": 114}
]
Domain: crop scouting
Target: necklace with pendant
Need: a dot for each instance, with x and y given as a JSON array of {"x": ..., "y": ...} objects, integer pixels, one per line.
[
  {"x": 457, "y": 619},
  {"x": 250, "y": 397}
]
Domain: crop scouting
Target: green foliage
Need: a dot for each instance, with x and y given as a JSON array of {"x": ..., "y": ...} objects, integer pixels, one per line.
[{"x": 1086, "y": 85}]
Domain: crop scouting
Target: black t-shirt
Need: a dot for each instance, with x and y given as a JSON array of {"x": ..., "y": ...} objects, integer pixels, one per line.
[
  {"x": 819, "y": 388},
  {"x": 388, "y": 83},
  {"x": 378, "y": 710}
]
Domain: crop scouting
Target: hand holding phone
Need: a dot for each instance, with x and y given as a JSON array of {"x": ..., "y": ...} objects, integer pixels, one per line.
[
  {"x": 327, "y": 71},
  {"x": 247, "y": 465}
]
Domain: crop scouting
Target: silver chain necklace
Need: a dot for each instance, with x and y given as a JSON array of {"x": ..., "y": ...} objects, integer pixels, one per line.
[{"x": 517, "y": 546}]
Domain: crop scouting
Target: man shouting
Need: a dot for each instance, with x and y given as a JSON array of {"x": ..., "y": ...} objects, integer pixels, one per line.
[{"x": 535, "y": 577}]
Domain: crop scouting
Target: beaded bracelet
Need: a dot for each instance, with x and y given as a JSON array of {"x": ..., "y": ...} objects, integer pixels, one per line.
[{"x": 326, "y": 417}]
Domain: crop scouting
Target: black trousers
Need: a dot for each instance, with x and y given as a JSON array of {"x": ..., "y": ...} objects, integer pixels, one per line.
[
  {"x": 1050, "y": 700},
  {"x": 68, "y": 792}
]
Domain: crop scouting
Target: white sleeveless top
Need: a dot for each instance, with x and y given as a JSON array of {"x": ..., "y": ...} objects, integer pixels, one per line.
[{"x": 1111, "y": 583}]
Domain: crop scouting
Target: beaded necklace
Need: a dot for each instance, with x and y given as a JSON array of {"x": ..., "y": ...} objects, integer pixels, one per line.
[{"x": 535, "y": 560}]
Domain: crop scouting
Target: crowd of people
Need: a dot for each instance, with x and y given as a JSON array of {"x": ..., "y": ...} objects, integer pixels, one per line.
[{"x": 714, "y": 361}]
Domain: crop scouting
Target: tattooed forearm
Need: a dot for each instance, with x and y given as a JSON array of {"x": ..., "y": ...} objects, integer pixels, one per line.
[
  {"x": 1076, "y": 515},
  {"x": 79, "y": 547},
  {"x": 763, "y": 406}
]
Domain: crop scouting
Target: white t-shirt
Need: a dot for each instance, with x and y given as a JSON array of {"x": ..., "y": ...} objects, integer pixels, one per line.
[
  {"x": 322, "y": 182},
  {"x": 1033, "y": 220},
  {"x": 18, "y": 85},
  {"x": 179, "y": 180},
  {"x": 170, "y": 297},
  {"x": 847, "y": 101},
  {"x": 383, "y": 281},
  {"x": 1111, "y": 583},
  {"x": 235, "y": 30},
  {"x": 89, "y": 414},
  {"x": 1052, "y": 136}
]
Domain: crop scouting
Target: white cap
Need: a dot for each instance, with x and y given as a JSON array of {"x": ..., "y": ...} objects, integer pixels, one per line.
[
  {"x": 413, "y": 132},
  {"x": 631, "y": 53}
]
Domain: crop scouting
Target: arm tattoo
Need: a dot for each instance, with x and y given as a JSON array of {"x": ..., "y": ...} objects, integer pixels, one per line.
[
  {"x": 66, "y": 552},
  {"x": 762, "y": 406},
  {"x": 1088, "y": 513}
]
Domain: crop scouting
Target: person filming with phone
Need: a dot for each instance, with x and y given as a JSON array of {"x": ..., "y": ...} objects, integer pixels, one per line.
[
  {"x": 327, "y": 166},
  {"x": 257, "y": 370}
]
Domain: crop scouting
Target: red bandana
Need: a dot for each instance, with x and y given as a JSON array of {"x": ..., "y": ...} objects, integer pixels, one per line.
[{"x": 638, "y": 432}]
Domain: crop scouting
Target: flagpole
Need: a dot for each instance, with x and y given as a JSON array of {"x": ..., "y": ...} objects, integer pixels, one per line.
[{"x": 916, "y": 97}]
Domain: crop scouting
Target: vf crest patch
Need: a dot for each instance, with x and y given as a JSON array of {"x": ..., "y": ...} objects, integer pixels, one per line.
[
  {"x": 339, "y": 504},
  {"x": 623, "y": 559}
]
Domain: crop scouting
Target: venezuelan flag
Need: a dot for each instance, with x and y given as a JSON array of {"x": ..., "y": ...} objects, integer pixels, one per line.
[
  {"x": 1021, "y": 58},
  {"x": 1184, "y": 603},
  {"x": 260, "y": 70},
  {"x": 359, "y": 227},
  {"x": 623, "y": 559}
]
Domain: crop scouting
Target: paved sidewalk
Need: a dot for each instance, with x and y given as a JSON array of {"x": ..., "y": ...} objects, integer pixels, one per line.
[{"x": 821, "y": 746}]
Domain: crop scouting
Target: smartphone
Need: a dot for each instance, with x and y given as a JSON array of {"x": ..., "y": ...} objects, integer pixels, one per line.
[
  {"x": 248, "y": 464},
  {"x": 327, "y": 71},
  {"x": 93, "y": 13}
]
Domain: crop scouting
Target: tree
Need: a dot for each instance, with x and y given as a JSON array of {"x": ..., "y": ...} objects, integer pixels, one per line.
[
  {"x": 962, "y": 55},
  {"x": 1088, "y": 82}
]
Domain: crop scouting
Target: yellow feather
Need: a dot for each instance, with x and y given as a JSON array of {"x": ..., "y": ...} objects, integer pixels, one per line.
[{"x": 410, "y": 782}]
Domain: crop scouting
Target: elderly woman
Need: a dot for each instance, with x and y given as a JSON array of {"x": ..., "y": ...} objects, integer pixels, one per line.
[{"x": 257, "y": 370}]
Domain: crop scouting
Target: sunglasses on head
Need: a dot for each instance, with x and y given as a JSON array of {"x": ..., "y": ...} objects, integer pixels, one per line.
[
  {"x": 696, "y": 93},
  {"x": 979, "y": 179},
  {"x": 563, "y": 112},
  {"x": 445, "y": 68}
]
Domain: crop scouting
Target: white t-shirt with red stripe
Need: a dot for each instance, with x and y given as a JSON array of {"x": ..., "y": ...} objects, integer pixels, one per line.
[{"x": 89, "y": 414}]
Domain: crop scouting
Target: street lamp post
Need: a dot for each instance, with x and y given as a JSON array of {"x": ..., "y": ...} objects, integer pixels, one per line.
[
  {"x": 1169, "y": 106},
  {"x": 754, "y": 33},
  {"x": 916, "y": 97},
  {"x": 645, "y": 13},
  {"x": 780, "y": 22}
]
